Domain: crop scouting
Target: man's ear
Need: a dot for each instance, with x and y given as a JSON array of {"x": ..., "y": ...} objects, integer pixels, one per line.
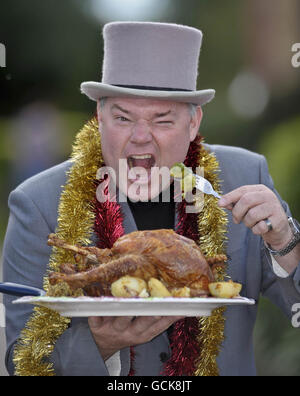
[{"x": 195, "y": 123}]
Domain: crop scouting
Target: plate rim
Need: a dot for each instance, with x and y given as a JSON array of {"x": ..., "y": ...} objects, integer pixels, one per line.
[
  {"x": 84, "y": 307},
  {"x": 104, "y": 299}
]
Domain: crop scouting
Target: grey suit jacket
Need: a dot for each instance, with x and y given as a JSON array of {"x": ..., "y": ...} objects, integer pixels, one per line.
[{"x": 33, "y": 215}]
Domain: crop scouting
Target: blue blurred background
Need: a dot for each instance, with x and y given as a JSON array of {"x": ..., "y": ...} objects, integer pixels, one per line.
[{"x": 52, "y": 46}]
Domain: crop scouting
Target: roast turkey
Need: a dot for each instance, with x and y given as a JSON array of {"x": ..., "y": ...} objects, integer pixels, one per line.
[{"x": 173, "y": 259}]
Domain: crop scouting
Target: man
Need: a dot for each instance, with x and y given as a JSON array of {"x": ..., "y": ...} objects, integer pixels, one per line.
[{"x": 149, "y": 113}]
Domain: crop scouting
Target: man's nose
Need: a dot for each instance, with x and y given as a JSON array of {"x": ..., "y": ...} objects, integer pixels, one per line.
[{"x": 141, "y": 133}]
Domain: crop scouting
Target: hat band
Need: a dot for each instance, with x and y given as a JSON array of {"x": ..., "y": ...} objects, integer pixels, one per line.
[{"x": 146, "y": 88}]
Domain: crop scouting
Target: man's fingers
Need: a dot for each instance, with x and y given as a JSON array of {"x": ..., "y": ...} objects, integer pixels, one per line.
[
  {"x": 253, "y": 205},
  {"x": 149, "y": 327},
  {"x": 119, "y": 323},
  {"x": 122, "y": 323},
  {"x": 160, "y": 326},
  {"x": 142, "y": 324},
  {"x": 247, "y": 202},
  {"x": 230, "y": 200},
  {"x": 260, "y": 228},
  {"x": 139, "y": 325},
  {"x": 95, "y": 322},
  {"x": 253, "y": 215},
  {"x": 115, "y": 333}
]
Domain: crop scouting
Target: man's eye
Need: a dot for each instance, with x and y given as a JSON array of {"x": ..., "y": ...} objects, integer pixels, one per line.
[
  {"x": 122, "y": 119},
  {"x": 165, "y": 122}
]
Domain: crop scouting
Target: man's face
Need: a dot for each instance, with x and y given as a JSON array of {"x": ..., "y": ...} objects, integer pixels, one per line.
[{"x": 145, "y": 133}]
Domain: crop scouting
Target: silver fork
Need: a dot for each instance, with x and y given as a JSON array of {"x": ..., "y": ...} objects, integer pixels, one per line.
[
  {"x": 205, "y": 186},
  {"x": 202, "y": 184}
]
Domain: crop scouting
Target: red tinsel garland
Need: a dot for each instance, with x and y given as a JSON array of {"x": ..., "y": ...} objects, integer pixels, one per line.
[
  {"x": 109, "y": 228},
  {"x": 184, "y": 344}
]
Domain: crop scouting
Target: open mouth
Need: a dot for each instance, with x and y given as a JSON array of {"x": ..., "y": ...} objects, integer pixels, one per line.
[
  {"x": 140, "y": 167},
  {"x": 146, "y": 161}
]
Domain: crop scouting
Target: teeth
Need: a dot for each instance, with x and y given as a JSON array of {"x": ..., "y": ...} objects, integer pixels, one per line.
[{"x": 137, "y": 157}]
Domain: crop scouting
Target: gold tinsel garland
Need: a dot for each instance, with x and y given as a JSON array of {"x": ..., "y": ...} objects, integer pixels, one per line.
[
  {"x": 212, "y": 225},
  {"x": 75, "y": 225}
]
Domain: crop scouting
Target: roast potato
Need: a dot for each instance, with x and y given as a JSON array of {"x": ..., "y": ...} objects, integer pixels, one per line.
[
  {"x": 225, "y": 289},
  {"x": 129, "y": 286},
  {"x": 158, "y": 289},
  {"x": 181, "y": 292}
]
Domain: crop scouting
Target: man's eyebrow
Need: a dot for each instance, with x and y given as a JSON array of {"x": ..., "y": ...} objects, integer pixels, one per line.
[
  {"x": 159, "y": 115},
  {"x": 156, "y": 115},
  {"x": 117, "y": 107}
]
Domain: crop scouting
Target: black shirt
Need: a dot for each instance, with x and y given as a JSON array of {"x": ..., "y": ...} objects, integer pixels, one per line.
[{"x": 154, "y": 215}]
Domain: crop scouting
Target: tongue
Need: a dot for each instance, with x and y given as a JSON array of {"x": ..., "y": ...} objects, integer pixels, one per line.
[{"x": 143, "y": 163}]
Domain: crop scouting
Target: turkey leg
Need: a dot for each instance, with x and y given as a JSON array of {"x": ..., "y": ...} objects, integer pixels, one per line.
[{"x": 107, "y": 273}]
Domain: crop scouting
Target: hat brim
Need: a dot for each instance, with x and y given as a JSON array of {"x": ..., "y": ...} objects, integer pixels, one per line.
[{"x": 96, "y": 91}]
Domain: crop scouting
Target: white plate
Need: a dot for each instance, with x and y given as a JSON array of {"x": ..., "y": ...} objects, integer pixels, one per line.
[{"x": 111, "y": 306}]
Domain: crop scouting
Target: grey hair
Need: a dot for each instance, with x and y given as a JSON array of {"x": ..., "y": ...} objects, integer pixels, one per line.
[
  {"x": 191, "y": 106},
  {"x": 102, "y": 102},
  {"x": 192, "y": 109}
]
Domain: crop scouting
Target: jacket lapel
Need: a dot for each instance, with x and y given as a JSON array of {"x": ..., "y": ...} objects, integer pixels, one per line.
[{"x": 128, "y": 219}]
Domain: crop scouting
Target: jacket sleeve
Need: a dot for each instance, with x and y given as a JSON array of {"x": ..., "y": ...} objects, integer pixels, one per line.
[
  {"x": 284, "y": 292},
  {"x": 25, "y": 260}
]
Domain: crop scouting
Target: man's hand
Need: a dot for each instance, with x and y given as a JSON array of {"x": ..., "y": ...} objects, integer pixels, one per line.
[
  {"x": 112, "y": 334},
  {"x": 252, "y": 205}
]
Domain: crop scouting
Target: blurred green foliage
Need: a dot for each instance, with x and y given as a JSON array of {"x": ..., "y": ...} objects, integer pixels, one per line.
[
  {"x": 52, "y": 46},
  {"x": 281, "y": 146},
  {"x": 276, "y": 342}
]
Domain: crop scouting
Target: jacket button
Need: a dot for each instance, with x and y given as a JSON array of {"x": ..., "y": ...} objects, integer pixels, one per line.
[{"x": 164, "y": 357}]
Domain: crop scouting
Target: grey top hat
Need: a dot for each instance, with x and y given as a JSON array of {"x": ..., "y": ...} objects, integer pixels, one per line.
[{"x": 150, "y": 60}]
